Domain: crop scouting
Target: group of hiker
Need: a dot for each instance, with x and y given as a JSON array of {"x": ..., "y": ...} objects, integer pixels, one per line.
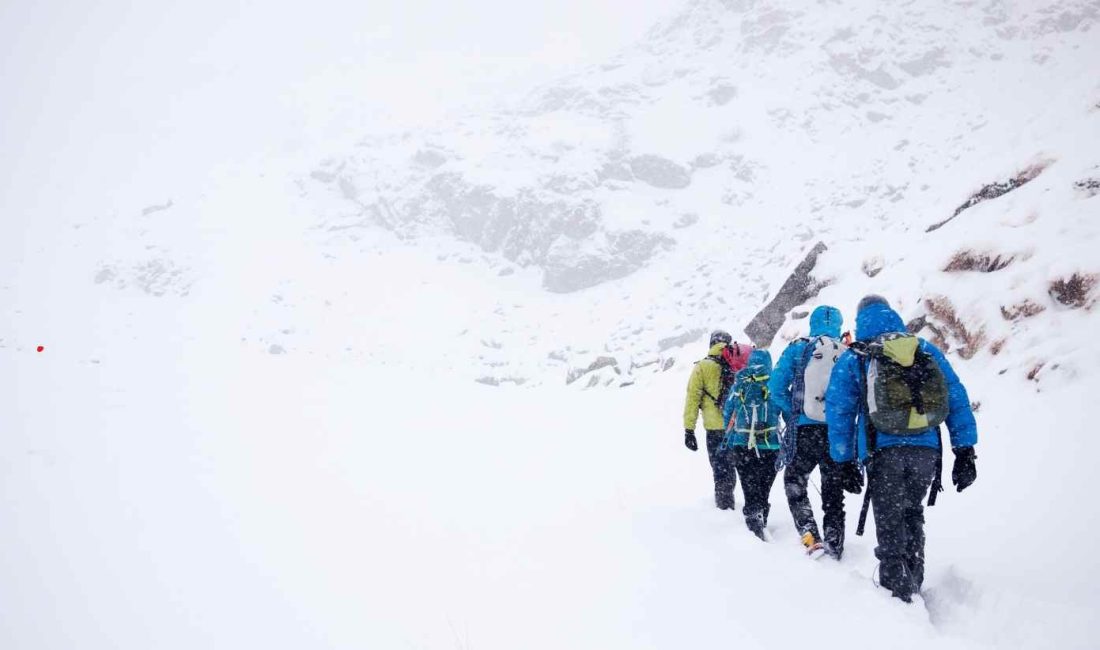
[{"x": 872, "y": 406}]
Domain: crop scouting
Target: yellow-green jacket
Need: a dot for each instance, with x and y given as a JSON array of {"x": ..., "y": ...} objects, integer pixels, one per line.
[{"x": 702, "y": 391}]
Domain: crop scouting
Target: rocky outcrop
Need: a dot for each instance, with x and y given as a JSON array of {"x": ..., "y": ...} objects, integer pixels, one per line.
[
  {"x": 799, "y": 287},
  {"x": 993, "y": 191},
  {"x": 660, "y": 172}
]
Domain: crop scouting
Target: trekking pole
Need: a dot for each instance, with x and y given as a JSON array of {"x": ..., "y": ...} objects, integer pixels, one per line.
[{"x": 864, "y": 509}]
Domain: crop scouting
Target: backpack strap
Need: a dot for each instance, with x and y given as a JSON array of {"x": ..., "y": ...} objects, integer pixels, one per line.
[{"x": 721, "y": 366}]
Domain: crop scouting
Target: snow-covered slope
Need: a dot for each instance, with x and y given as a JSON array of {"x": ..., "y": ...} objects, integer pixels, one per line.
[
  {"x": 256, "y": 419},
  {"x": 700, "y": 164}
]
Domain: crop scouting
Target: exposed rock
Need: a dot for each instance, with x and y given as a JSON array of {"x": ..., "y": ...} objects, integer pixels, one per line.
[
  {"x": 995, "y": 190},
  {"x": 599, "y": 363},
  {"x": 571, "y": 264},
  {"x": 799, "y": 287},
  {"x": 614, "y": 171},
  {"x": 1089, "y": 187},
  {"x": 660, "y": 172},
  {"x": 721, "y": 94},
  {"x": 429, "y": 158},
  {"x": 105, "y": 274},
  {"x": 685, "y": 220},
  {"x": 156, "y": 208},
  {"x": 497, "y": 381},
  {"x": 680, "y": 340},
  {"x": 970, "y": 339},
  {"x": 276, "y": 349},
  {"x": 706, "y": 161},
  {"x": 968, "y": 260},
  {"x": 872, "y": 266},
  {"x": 1076, "y": 291},
  {"x": 1025, "y": 309}
]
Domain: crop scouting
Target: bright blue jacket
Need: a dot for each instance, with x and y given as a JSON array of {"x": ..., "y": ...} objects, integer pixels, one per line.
[
  {"x": 759, "y": 365},
  {"x": 825, "y": 321},
  {"x": 846, "y": 414}
]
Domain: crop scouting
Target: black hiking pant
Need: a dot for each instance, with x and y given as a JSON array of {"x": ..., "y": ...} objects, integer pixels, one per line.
[
  {"x": 757, "y": 470},
  {"x": 813, "y": 451},
  {"x": 899, "y": 478},
  {"x": 725, "y": 474}
]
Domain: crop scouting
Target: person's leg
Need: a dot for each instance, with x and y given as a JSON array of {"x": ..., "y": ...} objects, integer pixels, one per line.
[
  {"x": 921, "y": 470},
  {"x": 795, "y": 477},
  {"x": 749, "y": 466},
  {"x": 768, "y": 472},
  {"x": 888, "y": 494},
  {"x": 832, "y": 503},
  {"x": 721, "y": 465}
]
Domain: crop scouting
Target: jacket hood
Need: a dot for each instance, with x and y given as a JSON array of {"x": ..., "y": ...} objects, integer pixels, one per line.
[
  {"x": 826, "y": 321},
  {"x": 760, "y": 362},
  {"x": 716, "y": 349},
  {"x": 877, "y": 319}
]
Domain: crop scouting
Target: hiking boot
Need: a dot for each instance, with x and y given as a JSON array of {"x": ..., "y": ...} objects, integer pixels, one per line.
[
  {"x": 894, "y": 575},
  {"x": 813, "y": 547},
  {"x": 756, "y": 524},
  {"x": 833, "y": 551}
]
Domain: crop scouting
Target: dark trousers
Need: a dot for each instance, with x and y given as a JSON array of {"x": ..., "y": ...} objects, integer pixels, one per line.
[
  {"x": 725, "y": 474},
  {"x": 899, "y": 478},
  {"x": 757, "y": 470},
  {"x": 813, "y": 451}
]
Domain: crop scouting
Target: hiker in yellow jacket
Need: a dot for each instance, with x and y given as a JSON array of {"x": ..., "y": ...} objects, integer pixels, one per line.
[{"x": 710, "y": 381}]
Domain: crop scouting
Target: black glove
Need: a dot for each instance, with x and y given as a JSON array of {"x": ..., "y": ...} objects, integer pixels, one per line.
[
  {"x": 964, "y": 473},
  {"x": 851, "y": 479},
  {"x": 689, "y": 440}
]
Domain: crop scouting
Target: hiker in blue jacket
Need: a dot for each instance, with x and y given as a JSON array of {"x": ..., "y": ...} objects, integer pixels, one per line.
[
  {"x": 900, "y": 467},
  {"x": 798, "y": 387},
  {"x": 752, "y": 425}
]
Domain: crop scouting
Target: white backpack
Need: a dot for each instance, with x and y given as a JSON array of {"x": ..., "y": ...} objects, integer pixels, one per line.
[{"x": 820, "y": 356}]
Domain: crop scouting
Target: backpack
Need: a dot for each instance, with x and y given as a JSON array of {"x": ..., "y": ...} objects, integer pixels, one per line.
[
  {"x": 906, "y": 390},
  {"x": 818, "y": 358},
  {"x": 754, "y": 395}
]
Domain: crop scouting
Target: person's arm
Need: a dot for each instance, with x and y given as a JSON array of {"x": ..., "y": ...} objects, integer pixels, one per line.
[
  {"x": 960, "y": 418},
  {"x": 842, "y": 402},
  {"x": 779, "y": 386},
  {"x": 694, "y": 398}
]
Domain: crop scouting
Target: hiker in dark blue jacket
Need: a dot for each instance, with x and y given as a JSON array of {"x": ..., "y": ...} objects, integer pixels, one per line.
[
  {"x": 900, "y": 468},
  {"x": 797, "y": 388}
]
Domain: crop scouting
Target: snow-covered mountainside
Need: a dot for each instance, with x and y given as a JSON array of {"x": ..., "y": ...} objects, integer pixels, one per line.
[
  {"x": 703, "y": 162},
  {"x": 609, "y": 219},
  {"x": 277, "y": 408}
]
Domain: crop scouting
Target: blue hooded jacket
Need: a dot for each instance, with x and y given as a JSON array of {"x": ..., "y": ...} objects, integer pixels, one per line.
[
  {"x": 759, "y": 365},
  {"x": 825, "y": 321},
  {"x": 843, "y": 401}
]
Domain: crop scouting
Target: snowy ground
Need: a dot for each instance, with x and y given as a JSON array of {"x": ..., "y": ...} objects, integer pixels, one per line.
[{"x": 251, "y": 500}]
